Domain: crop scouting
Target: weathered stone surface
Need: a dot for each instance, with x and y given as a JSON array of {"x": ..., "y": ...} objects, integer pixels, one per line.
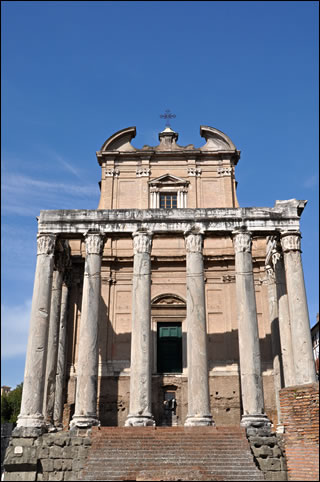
[
  {"x": 279, "y": 475},
  {"x": 198, "y": 384},
  {"x": 298, "y": 307},
  {"x": 33, "y": 384},
  {"x": 47, "y": 465},
  {"x": 23, "y": 476},
  {"x": 55, "y": 476},
  {"x": 270, "y": 463},
  {"x": 87, "y": 372},
  {"x": 20, "y": 458},
  {"x": 140, "y": 369}
]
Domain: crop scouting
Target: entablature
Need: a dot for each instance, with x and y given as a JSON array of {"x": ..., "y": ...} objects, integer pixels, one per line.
[{"x": 284, "y": 216}]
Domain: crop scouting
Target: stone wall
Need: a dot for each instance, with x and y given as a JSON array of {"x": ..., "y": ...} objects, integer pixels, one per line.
[
  {"x": 6, "y": 429},
  {"x": 54, "y": 456},
  {"x": 300, "y": 417}
]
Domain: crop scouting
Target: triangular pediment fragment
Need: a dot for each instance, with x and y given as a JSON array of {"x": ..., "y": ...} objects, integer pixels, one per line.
[{"x": 168, "y": 179}]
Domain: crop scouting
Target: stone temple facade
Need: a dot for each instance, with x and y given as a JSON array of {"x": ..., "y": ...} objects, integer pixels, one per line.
[{"x": 169, "y": 304}]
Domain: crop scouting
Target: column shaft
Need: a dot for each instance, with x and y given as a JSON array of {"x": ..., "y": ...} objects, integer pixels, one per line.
[
  {"x": 198, "y": 383},
  {"x": 249, "y": 350},
  {"x": 284, "y": 320},
  {"x": 140, "y": 367},
  {"x": 87, "y": 366},
  {"x": 53, "y": 339},
  {"x": 298, "y": 308},
  {"x": 278, "y": 378},
  {"x": 61, "y": 363},
  {"x": 31, "y": 416}
]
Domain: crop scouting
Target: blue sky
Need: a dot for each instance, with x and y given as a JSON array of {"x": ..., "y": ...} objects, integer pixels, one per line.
[{"x": 73, "y": 73}]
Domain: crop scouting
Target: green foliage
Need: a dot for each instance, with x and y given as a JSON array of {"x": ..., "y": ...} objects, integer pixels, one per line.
[{"x": 10, "y": 405}]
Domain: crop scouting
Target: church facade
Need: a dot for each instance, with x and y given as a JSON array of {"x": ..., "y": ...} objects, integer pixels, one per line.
[{"x": 169, "y": 304}]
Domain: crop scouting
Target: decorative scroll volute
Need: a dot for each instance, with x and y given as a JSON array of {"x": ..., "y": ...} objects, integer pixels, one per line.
[
  {"x": 291, "y": 242},
  {"x": 271, "y": 277},
  {"x": 242, "y": 242},
  {"x": 94, "y": 243},
  {"x": 46, "y": 244},
  {"x": 193, "y": 243},
  {"x": 142, "y": 242},
  {"x": 276, "y": 257}
]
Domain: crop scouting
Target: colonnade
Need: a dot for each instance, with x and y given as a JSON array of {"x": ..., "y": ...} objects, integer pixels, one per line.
[{"x": 42, "y": 402}]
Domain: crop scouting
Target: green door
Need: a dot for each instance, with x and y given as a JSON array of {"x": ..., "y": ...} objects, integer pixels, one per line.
[{"x": 169, "y": 348}]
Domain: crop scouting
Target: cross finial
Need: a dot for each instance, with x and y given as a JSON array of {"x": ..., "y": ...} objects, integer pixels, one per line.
[{"x": 167, "y": 115}]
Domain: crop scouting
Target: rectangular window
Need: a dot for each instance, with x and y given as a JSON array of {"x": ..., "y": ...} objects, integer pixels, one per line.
[
  {"x": 168, "y": 200},
  {"x": 169, "y": 347}
]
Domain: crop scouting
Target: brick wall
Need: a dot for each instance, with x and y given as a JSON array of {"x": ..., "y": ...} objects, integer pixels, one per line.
[{"x": 300, "y": 417}]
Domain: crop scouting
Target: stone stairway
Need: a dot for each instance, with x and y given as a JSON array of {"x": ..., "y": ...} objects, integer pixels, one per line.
[{"x": 170, "y": 453}]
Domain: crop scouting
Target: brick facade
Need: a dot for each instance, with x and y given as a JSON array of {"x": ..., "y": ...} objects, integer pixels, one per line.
[{"x": 300, "y": 417}]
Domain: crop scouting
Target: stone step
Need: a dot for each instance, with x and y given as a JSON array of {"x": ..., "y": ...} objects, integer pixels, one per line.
[{"x": 170, "y": 453}]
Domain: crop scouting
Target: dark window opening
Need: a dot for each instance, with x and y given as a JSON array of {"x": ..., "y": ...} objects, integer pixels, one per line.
[
  {"x": 169, "y": 347},
  {"x": 168, "y": 200}
]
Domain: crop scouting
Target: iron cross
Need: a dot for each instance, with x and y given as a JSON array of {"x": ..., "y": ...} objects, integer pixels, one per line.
[{"x": 167, "y": 115}]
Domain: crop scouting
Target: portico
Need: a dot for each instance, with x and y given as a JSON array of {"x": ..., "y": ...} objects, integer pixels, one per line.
[{"x": 227, "y": 281}]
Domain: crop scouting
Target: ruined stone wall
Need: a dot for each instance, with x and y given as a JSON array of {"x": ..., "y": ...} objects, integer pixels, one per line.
[
  {"x": 300, "y": 417},
  {"x": 56, "y": 456}
]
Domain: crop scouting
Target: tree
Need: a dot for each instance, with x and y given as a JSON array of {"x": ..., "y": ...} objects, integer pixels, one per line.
[{"x": 10, "y": 405}]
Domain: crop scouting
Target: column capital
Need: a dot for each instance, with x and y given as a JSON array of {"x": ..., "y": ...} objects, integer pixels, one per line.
[
  {"x": 291, "y": 241},
  {"x": 94, "y": 243},
  {"x": 46, "y": 243},
  {"x": 276, "y": 256},
  {"x": 193, "y": 242},
  {"x": 242, "y": 241},
  {"x": 142, "y": 242}
]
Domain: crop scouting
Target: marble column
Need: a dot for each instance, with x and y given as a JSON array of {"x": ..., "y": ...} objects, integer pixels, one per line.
[
  {"x": 298, "y": 308},
  {"x": 87, "y": 365},
  {"x": 197, "y": 359},
  {"x": 31, "y": 413},
  {"x": 61, "y": 362},
  {"x": 249, "y": 349},
  {"x": 284, "y": 320},
  {"x": 140, "y": 413},
  {"x": 53, "y": 338},
  {"x": 278, "y": 378}
]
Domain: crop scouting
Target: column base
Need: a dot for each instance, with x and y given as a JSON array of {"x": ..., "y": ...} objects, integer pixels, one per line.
[
  {"x": 256, "y": 423},
  {"x": 82, "y": 421},
  {"x": 201, "y": 421},
  {"x": 30, "y": 426},
  {"x": 140, "y": 421}
]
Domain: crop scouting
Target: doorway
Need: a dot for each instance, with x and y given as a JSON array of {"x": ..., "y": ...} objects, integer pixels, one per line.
[{"x": 169, "y": 347}]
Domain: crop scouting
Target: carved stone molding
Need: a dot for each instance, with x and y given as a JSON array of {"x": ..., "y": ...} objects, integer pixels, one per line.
[
  {"x": 228, "y": 278},
  {"x": 94, "y": 243},
  {"x": 224, "y": 171},
  {"x": 112, "y": 172},
  {"x": 194, "y": 171},
  {"x": 242, "y": 242},
  {"x": 291, "y": 242},
  {"x": 193, "y": 243},
  {"x": 142, "y": 242},
  {"x": 46, "y": 243},
  {"x": 270, "y": 274},
  {"x": 143, "y": 172},
  {"x": 276, "y": 256}
]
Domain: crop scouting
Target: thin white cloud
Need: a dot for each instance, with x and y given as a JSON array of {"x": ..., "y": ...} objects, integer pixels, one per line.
[
  {"x": 311, "y": 181},
  {"x": 14, "y": 329},
  {"x": 20, "y": 183},
  {"x": 65, "y": 164}
]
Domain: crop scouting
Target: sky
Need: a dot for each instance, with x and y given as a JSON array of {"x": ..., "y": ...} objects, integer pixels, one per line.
[{"x": 73, "y": 73}]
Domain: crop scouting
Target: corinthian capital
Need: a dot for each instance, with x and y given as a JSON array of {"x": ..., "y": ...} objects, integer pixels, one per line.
[
  {"x": 242, "y": 242},
  {"x": 291, "y": 241},
  {"x": 46, "y": 243},
  {"x": 142, "y": 242},
  {"x": 193, "y": 243},
  {"x": 94, "y": 243}
]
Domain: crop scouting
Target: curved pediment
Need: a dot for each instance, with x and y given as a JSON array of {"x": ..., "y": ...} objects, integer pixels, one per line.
[
  {"x": 216, "y": 140},
  {"x": 120, "y": 141},
  {"x": 167, "y": 300}
]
